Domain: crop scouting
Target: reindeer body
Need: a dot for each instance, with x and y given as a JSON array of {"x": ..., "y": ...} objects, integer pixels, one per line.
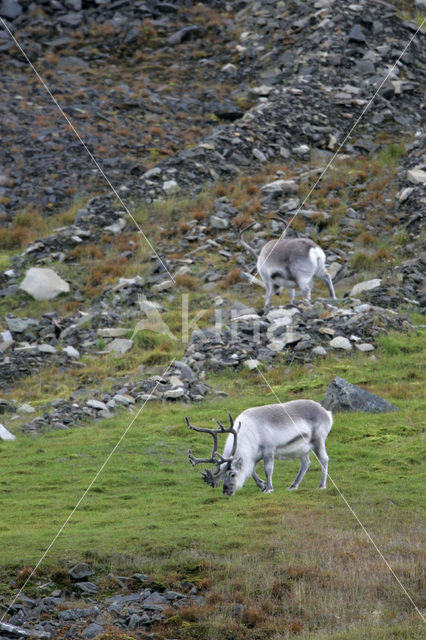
[
  {"x": 291, "y": 263},
  {"x": 286, "y": 431}
]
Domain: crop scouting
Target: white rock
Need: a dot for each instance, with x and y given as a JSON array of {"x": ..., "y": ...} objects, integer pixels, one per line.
[
  {"x": 229, "y": 66},
  {"x": 259, "y": 155},
  {"x": 26, "y": 408},
  {"x": 340, "y": 342},
  {"x": 71, "y": 352},
  {"x": 416, "y": 176},
  {"x": 112, "y": 332},
  {"x": 119, "y": 345},
  {"x": 46, "y": 348},
  {"x": 97, "y": 404},
  {"x": 5, "y": 434},
  {"x": 262, "y": 90},
  {"x": 219, "y": 223},
  {"x": 251, "y": 364},
  {"x": 367, "y": 285},
  {"x": 319, "y": 351},
  {"x": 274, "y": 314},
  {"x": 301, "y": 149},
  {"x": 174, "y": 393},
  {"x": 364, "y": 346},
  {"x": 276, "y": 345},
  {"x": 280, "y": 186},
  {"x": 6, "y": 339},
  {"x": 404, "y": 194},
  {"x": 175, "y": 381},
  {"x": 43, "y": 284},
  {"x": 123, "y": 399},
  {"x": 163, "y": 286},
  {"x": 117, "y": 226},
  {"x": 170, "y": 186},
  {"x": 183, "y": 270}
]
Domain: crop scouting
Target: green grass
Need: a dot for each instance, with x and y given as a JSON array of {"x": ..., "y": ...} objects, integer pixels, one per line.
[{"x": 298, "y": 561}]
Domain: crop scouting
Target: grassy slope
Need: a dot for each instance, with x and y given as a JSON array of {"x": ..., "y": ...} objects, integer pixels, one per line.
[{"x": 149, "y": 510}]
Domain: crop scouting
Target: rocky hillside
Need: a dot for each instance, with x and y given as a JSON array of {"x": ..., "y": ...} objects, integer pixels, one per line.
[{"x": 198, "y": 119}]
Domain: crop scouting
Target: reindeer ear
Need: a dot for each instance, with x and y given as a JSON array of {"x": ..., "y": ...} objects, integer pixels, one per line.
[{"x": 237, "y": 463}]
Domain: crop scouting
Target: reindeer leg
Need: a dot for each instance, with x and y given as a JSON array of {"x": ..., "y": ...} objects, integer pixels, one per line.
[
  {"x": 268, "y": 460},
  {"x": 269, "y": 291},
  {"x": 260, "y": 483},
  {"x": 322, "y": 456},
  {"x": 304, "y": 466},
  {"x": 325, "y": 277}
]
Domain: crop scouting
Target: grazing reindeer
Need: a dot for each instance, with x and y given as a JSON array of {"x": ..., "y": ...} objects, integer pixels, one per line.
[
  {"x": 287, "y": 430},
  {"x": 291, "y": 263}
]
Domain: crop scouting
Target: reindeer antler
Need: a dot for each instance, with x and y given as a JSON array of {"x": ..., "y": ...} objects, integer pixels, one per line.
[{"x": 216, "y": 457}]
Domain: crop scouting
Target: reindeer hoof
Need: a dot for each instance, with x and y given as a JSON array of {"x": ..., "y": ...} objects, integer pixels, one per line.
[
  {"x": 265, "y": 490},
  {"x": 320, "y": 487},
  {"x": 292, "y": 487}
]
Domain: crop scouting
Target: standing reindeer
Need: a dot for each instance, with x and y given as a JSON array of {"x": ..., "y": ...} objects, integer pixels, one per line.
[
  {"x": 291, "y": 263},
  {"x": 288, "y": 430}
]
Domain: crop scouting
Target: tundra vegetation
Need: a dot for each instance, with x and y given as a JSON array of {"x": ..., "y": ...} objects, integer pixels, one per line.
[{"x": 247, "y": 550}]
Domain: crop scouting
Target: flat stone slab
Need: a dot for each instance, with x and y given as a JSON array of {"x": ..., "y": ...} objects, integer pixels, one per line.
[
  {"x": 43, "y": 284},
  {"x": 342, "y": 395},
  {"x": 367, "y": 285}
]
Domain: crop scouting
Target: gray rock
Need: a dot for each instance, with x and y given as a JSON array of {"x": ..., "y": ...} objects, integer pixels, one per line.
[
  {"x": 356, "y": 35},
  {"x": 26, "y": 408},
  {"x": 218, "y": 222},
  {"x": 80, "y": 571},
  {"x": 43, "y": 284},
  {"x": 319, "y": 351},
  {"x": 10, "y": 9},
  {"x": 155, "y": 598},
  {"x": 365, "y": 347},
  {"x": 185, "y": 370},
  {"x": 13, "y": 631},
  {"x": 119, "y": 345},
  {"x": 344, "y": 396},
  {"x": 87, "y": 587},
  {"x": 46, "y": 348},
  {"x": 19, "y": 325},
  {"x": 92, "y": 630},
  {"x": 71, "y": 352}
]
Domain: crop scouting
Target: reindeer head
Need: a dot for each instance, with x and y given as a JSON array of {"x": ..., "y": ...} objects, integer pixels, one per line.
[{"x": 226, "y": 468}]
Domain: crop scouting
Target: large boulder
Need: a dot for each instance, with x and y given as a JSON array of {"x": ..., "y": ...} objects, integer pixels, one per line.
[
  {"x": 341, "y": 395},
  {"x": 43, "y": 284}
]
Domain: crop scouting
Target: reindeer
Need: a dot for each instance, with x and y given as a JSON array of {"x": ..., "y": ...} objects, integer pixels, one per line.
[
  {"x": 288, "y": 430},
  {"x": 291, "y": 263}
]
